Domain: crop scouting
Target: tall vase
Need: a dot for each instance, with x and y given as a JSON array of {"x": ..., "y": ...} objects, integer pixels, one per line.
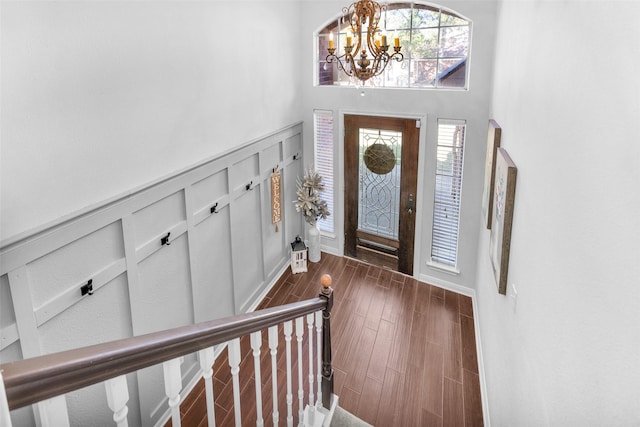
[{"x": 314, "y": 243}]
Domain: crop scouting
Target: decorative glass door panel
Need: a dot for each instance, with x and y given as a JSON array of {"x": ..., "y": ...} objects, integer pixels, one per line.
[
  {"x": 381, "y": 156},
  {"x": 379, "y": 189}
]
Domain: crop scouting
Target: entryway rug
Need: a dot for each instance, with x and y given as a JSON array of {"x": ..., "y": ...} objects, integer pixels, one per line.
[{"x": 342, "y": 418}]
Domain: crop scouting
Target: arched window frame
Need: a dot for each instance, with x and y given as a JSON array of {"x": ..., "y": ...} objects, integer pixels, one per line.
[{"x": 440, "y": 66}]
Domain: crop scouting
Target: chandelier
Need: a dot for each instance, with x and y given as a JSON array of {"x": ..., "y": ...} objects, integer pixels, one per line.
[{"x": 366, "y": 53}]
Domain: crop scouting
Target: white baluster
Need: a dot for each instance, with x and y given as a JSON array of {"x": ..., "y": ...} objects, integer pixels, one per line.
[
  {"x": 311, "y": 402},
  {"x": 311, "y": 376},
  {"x": 5, "y": 414},
  {"x": 233, "y": 348},
  {"x": 256, "y": 341},
  {"x": 117, "y": 398},
  {"x": 207, "y": 358},
  {"x": 172, "y": 387},
  {"x": 319, "y": 356},
  {"x": 273, "y": 346},
  {"x": 299, "y": 336},
  {"x": 288, "y": 330},
  {"x": 53, "y": 412}
]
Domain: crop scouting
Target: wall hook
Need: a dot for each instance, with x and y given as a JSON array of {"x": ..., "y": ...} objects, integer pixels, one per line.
[
  {"x": 87, "y": 288},
  {"x": 276, "y": 169},
  {"x": 296, "y": 156},
  {"x": 249, "y": 186},
  {"x": 165, "y": 240},
  {"x": 214, "y": 208}
]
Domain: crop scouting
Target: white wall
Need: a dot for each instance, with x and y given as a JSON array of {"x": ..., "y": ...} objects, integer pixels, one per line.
[
  {"x": 567, "y": 95},
  {"x": 99, "y": 98},
  {"x": 471, "y": 105}
]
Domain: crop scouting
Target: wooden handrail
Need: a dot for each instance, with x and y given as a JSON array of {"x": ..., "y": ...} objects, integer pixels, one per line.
[{"x": 33, "y": 380}]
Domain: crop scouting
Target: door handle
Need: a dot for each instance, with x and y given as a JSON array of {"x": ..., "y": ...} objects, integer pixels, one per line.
[{"x": 410, "y": 204}]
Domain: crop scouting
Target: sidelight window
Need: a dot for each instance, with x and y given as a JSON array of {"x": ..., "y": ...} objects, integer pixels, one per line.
[
  {"x": 447, "y": 194},
  {"x": 323, "y": 137}
]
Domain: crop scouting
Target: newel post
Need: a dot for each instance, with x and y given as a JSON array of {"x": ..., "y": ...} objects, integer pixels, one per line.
[{"x": 327, "y": 369}]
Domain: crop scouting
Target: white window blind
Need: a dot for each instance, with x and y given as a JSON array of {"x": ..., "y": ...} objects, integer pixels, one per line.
[
  {"x": 323, "y": 138},
  {"x": 448, "y": 186}
]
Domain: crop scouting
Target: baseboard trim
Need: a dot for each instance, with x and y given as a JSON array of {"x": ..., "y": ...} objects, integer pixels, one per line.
[
  {"x": 444, "y": 284},
  {"x": 483, "y": 383}
]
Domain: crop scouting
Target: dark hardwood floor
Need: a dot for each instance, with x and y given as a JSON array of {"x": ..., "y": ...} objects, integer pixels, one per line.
[{"x": 404, "y": 352}]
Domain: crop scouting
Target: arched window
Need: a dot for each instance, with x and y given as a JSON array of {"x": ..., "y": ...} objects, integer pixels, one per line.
[{"x": 435, "y": 44}]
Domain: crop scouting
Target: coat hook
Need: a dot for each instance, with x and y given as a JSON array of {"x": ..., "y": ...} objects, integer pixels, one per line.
[
  {"x": 296, "y": 156},
  {"x": 276, "y": 169},
  {"x": 214, "y": 208},
  {"x": 165, "y": 240},
  {"x": 87, "y": 288},
  {"x": 249, "y": 186}
]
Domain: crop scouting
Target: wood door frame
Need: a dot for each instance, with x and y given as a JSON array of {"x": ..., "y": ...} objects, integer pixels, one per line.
[{"x": 410, "y": 261}]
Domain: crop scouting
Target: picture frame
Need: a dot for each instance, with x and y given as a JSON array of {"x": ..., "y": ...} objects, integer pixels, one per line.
[
  {"x": 502, "y": 217},
  {"x": 493, "y": 142}
]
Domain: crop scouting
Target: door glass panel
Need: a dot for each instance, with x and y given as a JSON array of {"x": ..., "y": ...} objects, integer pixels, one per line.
[{"x": 379, "y": 182}]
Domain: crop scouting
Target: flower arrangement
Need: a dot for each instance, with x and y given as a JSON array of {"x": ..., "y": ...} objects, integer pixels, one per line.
[{"x": 309, "y": 202}]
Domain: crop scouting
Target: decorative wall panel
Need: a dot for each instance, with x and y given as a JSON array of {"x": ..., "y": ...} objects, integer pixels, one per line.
[
  {"x": 274, "y": 240},
  {"x": 244, "y": 173},
  {"x": 293, "y": 220},
  {"x": 209, "y": 192},
  {"x": 101, "y": 317},
  {"x": 215, "y": 263},
  {"x": 8, "y": 327},
  {"x": 212, "y": 267},
  {"x": 165, "y": 288},
  {"x": 156, "y": 220},
  {"x": 247, "y": 253},
  {"x": 58, "y": 276}
]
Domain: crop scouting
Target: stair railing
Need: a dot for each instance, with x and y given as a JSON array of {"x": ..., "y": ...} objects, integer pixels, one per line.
[{"x": 50, "y": 376}]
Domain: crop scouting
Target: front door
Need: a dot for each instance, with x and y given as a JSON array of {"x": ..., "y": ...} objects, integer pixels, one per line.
[{"x": 381, "y": 170}]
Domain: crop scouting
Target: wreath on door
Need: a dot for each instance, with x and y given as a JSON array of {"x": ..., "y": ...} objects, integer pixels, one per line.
[{"x": 379, "y": 158}]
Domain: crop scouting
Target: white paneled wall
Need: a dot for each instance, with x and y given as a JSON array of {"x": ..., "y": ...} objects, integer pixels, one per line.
[{"x": 217, "y": 262}]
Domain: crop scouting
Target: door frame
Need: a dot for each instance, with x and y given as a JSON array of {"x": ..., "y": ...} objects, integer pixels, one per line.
[{"x": 420, "y": 196}]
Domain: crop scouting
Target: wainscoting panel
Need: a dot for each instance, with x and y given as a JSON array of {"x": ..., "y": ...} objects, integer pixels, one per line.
[
  {"x": 293, "y": 223},
  {"x": 153, "y": 222},
  {"x": 60, "y": 274},
  {"x": 103, "y": 316},
  {"x": 165, "y": 287},
  {"x": 212, "y": 271},
  {"x": 209, "y": 192},
  {"x": 246, "y": 232},
  {"x": 274, "y": 241},
  {"x": 193, "y": 246},
  {"x": 8, "y": 328},
  {"x": 244, "y": 174},
  {"x": 273, "y": 235}
]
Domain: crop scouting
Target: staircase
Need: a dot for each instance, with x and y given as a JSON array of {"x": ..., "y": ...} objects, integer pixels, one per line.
[{"x": 301, "y": 394}]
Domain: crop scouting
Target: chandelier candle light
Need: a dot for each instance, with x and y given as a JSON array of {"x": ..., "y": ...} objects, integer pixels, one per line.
[{"x": 372, "y": 44}]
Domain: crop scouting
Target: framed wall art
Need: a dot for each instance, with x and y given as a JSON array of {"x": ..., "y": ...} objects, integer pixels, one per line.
[
  {"x": 493, "y": 142},
  {"x": 502, "y": 217}
]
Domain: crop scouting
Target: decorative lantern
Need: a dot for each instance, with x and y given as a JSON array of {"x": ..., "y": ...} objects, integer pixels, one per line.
[{"x": 298, "y": 256}]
